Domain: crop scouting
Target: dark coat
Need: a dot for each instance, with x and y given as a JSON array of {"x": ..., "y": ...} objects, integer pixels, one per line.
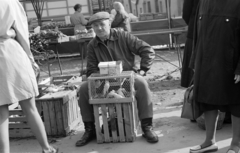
[
  {"x": 121, "y": 21},
  {"x": 120, "y": 46},
  {"x": 217, "y": 52},
  {"x": 189, "y": 12}
]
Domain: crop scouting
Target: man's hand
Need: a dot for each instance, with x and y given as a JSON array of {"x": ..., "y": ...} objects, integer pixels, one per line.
[{"x": 237, "y": 78}]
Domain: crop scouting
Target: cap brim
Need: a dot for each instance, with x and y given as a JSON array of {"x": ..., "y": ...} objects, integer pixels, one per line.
[{"x": 97, "y": 20}]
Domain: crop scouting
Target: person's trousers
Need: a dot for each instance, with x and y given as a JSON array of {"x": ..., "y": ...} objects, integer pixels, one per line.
[{"x": 143, "y": 97}]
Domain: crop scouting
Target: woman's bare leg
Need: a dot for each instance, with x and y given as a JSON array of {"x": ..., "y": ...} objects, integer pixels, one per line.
[
  {"x": 211, "y": 118},
  {"x": 35, "y": 121},
  {"x": 4, "y": 133},
  {"x": 235, "y": 144}
]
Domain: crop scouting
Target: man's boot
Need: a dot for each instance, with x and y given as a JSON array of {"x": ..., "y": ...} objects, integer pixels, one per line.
[
  {"x": 148, "y": 132},
  {"x": 88, "y": 135}
]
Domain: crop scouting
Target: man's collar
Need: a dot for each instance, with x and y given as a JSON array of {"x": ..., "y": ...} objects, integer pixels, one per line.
[{"x": 113, "y": 36}]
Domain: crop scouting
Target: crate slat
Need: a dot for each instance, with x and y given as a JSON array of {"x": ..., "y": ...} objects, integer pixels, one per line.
[
  {"x": 111, "y": 100},
  {"x": 112, "y": 116},
  {"x": 18, "y": 119},
  {"x": 46, "y": 118},
  {"x": 16, "y": 112},
  {"x": 18, "y": 125},
  {"x": 59, "y": 118},
  {"x": 120, "y": 122},
  {"x": 105, "y": 123},
  {"x": 52, "y": 118},
  {"x": 100, "y": 138},
  {"x": 127, "y": 122}
]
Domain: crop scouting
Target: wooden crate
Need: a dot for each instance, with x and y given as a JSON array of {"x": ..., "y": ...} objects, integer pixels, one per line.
[
  {"x": 116, "y": 119},
  {"x": 18, "y": 126},
  {"x": 59, "y": 112}
]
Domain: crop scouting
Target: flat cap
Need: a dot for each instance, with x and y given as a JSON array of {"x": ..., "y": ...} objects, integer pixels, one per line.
[{"x": 98, "y": 17}]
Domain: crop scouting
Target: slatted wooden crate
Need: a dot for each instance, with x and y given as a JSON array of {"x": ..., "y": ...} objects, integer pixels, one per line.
[
  {"x": 18, "y": 126},
  {"x": 59, "y": 112},
  {"x": 115, "y": 118}
]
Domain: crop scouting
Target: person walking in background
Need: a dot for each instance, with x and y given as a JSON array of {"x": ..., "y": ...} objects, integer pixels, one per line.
[
  {"x": 189, "y": 13},
  {"x": 121, "y": 18},
  {"x": 17, "y": 78},
  {"x": 78, "y": 20},
  {"x": 216, "y": 61}
]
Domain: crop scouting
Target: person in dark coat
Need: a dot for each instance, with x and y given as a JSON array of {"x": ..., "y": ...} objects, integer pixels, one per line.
[
  {"x": 121, "y": 19},
  {"x": 216, "y": 61},
  {"x": 189, "y": 12}
]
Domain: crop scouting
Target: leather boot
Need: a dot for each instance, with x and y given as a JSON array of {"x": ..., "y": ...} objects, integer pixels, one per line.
[
  {"x": 88, "y": 135},
  {"x": 148, "y": 132}
]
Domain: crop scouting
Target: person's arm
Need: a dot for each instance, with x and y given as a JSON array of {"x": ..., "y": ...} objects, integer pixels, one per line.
[
  {"x": 141, "y": 48},
  {"x": 187, "y": 10},
  {"x": 83, "y": 20},
  {"x": 92, "y": 62},
  {"x": 20, "y": 26}
]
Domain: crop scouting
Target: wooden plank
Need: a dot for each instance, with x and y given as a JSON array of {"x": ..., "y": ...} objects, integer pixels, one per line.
[
  {"x": 59, "y": 118},
  {"x": 18, "y": 119},
  {"x": 132, "y": 123},
  {"x": 39, "y": 107},
  {"x": 105, "y": 124},
  {"x": 120, "y": 122},
  {"x": 100, "y": 138},
  {"x": 16, "y": 112},
  {"x": 113, "y": 123},
  {"x": 65, "y": 115},
  {"x": 68, "y": 114},
  {"x": 20, "y": 133},
  {"x": 46, "y": 118},
  {"x": 127, "y": 122},
  {"x": 52, "y": 116},
  {"x": 111, "y": 100},
  {"x": 20, "y": 125}
]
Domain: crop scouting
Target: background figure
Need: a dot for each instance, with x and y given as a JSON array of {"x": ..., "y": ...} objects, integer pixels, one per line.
[
  {"x": 17, "y": 78},
  {"x": 77, "y": 19},
  {"x": 189, "y": 12},
  {"x": 216, "y": 60},
  {"x": 121, "y": 19}
]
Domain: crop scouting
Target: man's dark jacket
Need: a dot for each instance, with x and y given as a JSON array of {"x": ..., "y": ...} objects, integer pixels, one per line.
[{"x": 120, "y": 46}]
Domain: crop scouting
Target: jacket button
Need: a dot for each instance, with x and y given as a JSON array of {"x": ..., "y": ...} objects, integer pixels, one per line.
[
  {"x": 200, "y": 18},
  {"x": 227, "y": 20}
]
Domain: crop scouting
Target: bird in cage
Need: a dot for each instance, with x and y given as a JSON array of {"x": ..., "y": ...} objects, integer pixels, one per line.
[{"x": 106, "y": 88}]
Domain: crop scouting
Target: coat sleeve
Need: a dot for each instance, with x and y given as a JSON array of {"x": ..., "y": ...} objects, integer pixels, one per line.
[
  {"x": 92, "y": 62},
  {"x": 187, "y": 10},
  {"x": 83, "y": 20},
  {"x": 237, "y": 70},
  {"x": 20, "y": 26},
  {"x": 141, "y": 48}
]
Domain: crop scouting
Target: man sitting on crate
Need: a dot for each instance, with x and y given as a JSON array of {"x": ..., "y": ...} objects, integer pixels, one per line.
[{"x": 114, "y": 45}]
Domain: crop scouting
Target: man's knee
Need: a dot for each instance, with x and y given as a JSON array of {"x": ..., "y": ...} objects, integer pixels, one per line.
[
  {"x": 84, "y": 88},
  {"x": 140, "y": 82}
]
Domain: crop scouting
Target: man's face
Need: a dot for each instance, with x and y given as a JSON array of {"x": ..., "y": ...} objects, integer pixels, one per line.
[{"x": 102, "y": 28}]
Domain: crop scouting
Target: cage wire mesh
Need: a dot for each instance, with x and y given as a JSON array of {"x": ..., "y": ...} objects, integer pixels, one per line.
[{"x": 111, "y": 87}]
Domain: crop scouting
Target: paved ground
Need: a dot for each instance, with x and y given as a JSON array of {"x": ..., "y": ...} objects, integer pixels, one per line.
[{"x": 176, "y": 135}]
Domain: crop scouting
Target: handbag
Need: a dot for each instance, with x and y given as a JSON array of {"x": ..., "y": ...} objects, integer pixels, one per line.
[{"x": 190, "y": 109}]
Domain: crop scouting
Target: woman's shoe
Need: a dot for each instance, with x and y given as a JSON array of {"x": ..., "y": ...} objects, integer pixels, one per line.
[
  {"x": 200, "y": 149},
  {"x": 232, "y": 151},
  {"x": 51, "y": 150}
]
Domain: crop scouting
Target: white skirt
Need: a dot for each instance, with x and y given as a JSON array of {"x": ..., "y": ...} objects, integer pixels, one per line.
[{"x": 17, "y": 78}]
